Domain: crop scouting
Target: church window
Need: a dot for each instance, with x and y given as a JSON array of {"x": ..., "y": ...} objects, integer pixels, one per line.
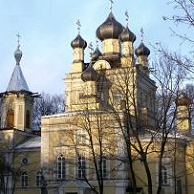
[
  {"x": 24, "y": 161},
  {"x": 164, "y": 176},
  {"x": 166, "y": 172},
  {"x": 81, "y": 168},
  {"x": 104, "y": 98},
  {"x": 117, "y": 98},
  {"x": 10, "y": 118},
  {"x": 24, "y": 179},
  {"x": 102, "y": 166},
  {"x": 38, "y": 178},
  {"x": 81, "y": 137},
  {"x": 27, "y": 119},
  {"x": 61, "y": 167}
]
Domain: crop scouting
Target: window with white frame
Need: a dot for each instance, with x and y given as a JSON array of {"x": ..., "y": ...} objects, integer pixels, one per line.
[
  {"x": 102, "y": 167},
  {"x": 81, "y": 168},
  {"x": 38, "y": 178},
  {"x": 81, "y": 137},
  {"x": 24, "y": 179},
  {"x": 61, "y": 167}
]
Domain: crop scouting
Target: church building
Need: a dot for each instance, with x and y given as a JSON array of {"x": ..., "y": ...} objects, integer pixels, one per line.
[{"x": 107, "y": 139}]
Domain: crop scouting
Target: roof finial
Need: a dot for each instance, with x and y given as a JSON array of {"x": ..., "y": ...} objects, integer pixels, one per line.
[
  {"x": 18, "y": 52},
  {"x": 127, "y": 16},
  {"x": 111, "y": 3},
  {"x": 142, "y": 34},
  {"x": 90, "y": 46},
  {"x": 96, "y": 42},
  {"x": 18, "y": 35},
  {"x": 78, "y": 25}
]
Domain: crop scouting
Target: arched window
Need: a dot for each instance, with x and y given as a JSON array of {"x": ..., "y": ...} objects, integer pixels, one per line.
[
  {"x": 102, "y": 166},
  {"x": 24, "y": 179},
  {"x": 27, "y": 119},
  {"x": 61, "y": 167},
  {"x": 38, "y": 178},
  {"x": 81, "y": 169},
  {"x": 10, "y": 118}
]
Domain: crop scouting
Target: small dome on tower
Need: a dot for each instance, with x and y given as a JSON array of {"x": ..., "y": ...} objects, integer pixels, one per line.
[
  {"x": 183, "y": 100},
  {"x": 18, "y": 55},
  {"x": 110, "y": 28},
  {"x": 79, "y": 42},
  {"x": 127, "y": 35},
  {"x": 96, "y": 54},
  {"x": 142, "y": 50},
  {"x": 89, "y": 74}
]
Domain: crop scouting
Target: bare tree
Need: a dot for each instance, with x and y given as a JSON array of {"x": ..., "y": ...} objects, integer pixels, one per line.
[
  {"x": 183, "y": 16},
  {"x": 47, "y": 104},
  {"x": 9, "y": 173},
  {"x": 146, "y": 128}
]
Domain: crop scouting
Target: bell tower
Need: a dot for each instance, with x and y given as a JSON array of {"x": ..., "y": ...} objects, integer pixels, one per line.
[
  {"x": 183, "y": 117},
  {"x": 17, "y": 100}
]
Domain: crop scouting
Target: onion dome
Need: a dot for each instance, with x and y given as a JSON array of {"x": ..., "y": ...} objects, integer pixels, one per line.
[
  {"x": 183, "y": 100},
  {"x": 111, "y": 28},
  {"x": 142, "y": 50},
  {"x": 79, "y": 42},
  {"x": 89, "y": 74},
  {"x": 18, "y": 55},
  {"x": 127, "y": 35},
  {"x": 96, "y": 54}
]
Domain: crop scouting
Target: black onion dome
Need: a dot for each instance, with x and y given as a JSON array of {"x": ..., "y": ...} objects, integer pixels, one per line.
[
  {"x": 111, "y": 28},
  {"x": 142, "y": 50},
  {"x": 79, "y": 42},
  {"x": 96, "y": 54},
  {"x": 89, "y": 74},
  {"x": 183, "y": 100},
  {"x": 127, "y": 35}
]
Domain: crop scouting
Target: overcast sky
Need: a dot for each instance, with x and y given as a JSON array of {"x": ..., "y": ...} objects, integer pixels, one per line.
[{"x": 47, "y": 28}]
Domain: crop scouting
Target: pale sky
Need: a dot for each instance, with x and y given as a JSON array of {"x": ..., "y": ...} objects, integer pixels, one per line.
[{"x": 47, "y": 28}]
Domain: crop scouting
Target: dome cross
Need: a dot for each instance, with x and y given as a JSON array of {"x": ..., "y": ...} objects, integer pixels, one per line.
[
  {"x": 111, "y": 3},
  {"x": 90, "y": 46},
  {"x": 142, "y": 34},
  {"x": 127, "y": 16},
  {"x": 18, "y": 41},
  {"x": 78, "y": 25}
]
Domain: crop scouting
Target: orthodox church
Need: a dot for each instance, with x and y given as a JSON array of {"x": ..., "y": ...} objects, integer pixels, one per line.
[
  {"x": 19, "y": 145},
  {"x": 84, "y": 150}
]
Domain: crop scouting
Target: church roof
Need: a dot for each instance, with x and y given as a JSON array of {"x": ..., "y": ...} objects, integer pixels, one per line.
[
  {"x": 17, "y": 82},
  {"x": 32, "y": 142}
]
